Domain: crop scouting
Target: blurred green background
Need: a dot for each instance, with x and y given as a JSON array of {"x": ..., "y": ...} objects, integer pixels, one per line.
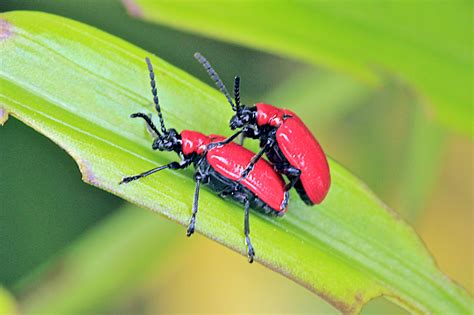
[{"x": 384, "y": 134}]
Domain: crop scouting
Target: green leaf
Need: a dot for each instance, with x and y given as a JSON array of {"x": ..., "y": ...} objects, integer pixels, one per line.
[
  {"x": 422, "y": 163},
  {"x": 427, "y": 45},
  {"x": 78, "y": 85},
  {"x": 336, "y": 96},
  {"x": 94, "y": 271}
]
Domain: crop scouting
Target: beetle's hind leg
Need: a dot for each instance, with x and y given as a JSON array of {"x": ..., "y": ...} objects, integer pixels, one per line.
[{"x": 293, "y": 175}]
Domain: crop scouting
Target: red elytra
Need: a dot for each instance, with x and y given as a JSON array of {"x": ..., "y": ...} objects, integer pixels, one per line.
[
  {"x": 300, "y": 148},
  {"x": 231, "y": 159}
]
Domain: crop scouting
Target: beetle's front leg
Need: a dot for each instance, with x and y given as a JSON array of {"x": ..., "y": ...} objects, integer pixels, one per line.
[
  {"x": 201, "y": 177},
  {"x": 192, "y": 221},
  {"x": 270, "y": 142},
  {"x": 225, "y": 141},
  {"x": 173, "y": 165}
]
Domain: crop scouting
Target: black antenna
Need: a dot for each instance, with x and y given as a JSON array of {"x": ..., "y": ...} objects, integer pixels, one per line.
[
  {"x": 155, "y": 95},
  {"x": 237, "y": 91},
  {"x": 214, "y": 76}
]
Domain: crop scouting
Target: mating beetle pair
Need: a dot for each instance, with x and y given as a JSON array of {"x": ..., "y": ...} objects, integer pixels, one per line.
[{"x": 233, "y": 171}]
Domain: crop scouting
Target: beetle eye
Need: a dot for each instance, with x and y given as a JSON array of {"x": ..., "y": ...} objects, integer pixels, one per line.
[{"x": 156, "y": 144}]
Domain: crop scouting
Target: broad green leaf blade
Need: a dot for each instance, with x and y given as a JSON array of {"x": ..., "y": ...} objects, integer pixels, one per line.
[
  {"x": 78, "y": 85},
  {"x": 427, "y": 45}
]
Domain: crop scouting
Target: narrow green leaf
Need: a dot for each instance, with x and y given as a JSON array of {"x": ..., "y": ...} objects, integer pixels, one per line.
[
  {"x": 102, "y": 267},
  {"x": 427, "y": 45},
  {"x": 78, "y": 85},
  {"x": 422, "y": 163}
]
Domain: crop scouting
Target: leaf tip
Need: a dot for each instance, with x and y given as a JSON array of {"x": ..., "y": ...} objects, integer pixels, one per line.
[
  {"x": 3, "y": 116},
  {"x": 5, "y": 29},
  {"x": 133, "y": 8}
]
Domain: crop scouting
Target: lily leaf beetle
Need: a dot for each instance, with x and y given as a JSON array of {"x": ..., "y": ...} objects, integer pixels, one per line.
[
  {"x": 219, "y": 167},
  {"x": 284, "y": 138}
]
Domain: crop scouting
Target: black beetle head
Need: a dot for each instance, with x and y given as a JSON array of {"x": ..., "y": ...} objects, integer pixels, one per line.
[
  {"x": 244, "y": 116},
  {"x": 168, "y": 141}
]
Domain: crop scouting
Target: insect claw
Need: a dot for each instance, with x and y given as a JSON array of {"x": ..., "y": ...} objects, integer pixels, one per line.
[
  {"x": 250, "y": 251},
  {"x": 125, "y": 180},
  {"x": 250, "y": 256},
  {"x": 190, "y": 229},
  {"x": 246, "y": 172}
]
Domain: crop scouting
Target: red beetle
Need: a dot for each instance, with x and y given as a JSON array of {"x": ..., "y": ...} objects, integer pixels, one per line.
[
  {"x": 284, "y": 138},
  {"x": 219, "y": 167}
]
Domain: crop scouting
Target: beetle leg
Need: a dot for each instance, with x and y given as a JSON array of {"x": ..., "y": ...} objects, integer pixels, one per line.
[
  {"x": 172, "y": 165},
  {"x": 293, "y": 174},
  {"x": 192, "y": 222},
  {"x": 255, "y": 159},
  {"x": 225, "y": 141},
  {"x": 243, "y": 198},
  {"x": 250, "y": 250}
]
